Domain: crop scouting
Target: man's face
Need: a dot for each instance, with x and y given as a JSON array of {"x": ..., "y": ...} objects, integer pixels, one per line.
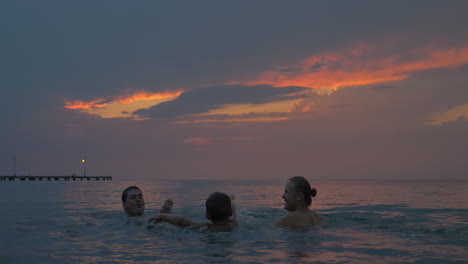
[{"x": 134, "y": 205}]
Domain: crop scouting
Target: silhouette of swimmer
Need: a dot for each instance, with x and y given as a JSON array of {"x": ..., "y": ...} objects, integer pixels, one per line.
[
  {"x": 134, "y": 204},
  {"x": 297, "y": 198},
  {"x": 220, "y": 210}
]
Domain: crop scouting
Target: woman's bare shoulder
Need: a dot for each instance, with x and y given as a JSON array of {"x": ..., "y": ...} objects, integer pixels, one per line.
[
  {"x": 290, "y": 219},
  {"x": 316, "y": 217},
  {"x": 299, "y": 219}
]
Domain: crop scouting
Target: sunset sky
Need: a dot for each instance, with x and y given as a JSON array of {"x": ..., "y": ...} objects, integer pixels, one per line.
[{"x": 235, "y": 89}]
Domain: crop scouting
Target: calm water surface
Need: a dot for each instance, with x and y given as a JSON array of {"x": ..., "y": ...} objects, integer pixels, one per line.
[{"x": 367, "y": 222}]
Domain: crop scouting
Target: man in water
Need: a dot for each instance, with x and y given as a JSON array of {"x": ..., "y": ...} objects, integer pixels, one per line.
[
  {"x": 220, "y": 210},
  {"x": 134, "y": 204}
]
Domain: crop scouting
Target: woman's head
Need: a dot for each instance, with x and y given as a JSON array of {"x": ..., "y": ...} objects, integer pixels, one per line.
[{"x": 298, "y": 193}]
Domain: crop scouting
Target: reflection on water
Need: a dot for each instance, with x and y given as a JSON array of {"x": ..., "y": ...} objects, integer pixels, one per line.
[{"x": 366, "y": 222}]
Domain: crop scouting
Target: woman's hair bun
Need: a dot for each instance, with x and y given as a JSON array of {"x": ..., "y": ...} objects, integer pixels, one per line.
[{"x": 313, "y": 192}]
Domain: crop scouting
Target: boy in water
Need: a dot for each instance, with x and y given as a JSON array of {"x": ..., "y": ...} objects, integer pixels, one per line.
[
  {"x": 134, "y": 204},
  {"x": 219, "y": 208}
]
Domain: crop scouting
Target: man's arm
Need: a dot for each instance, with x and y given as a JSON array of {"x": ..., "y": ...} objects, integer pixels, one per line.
[{"x": 174, "y": 220}]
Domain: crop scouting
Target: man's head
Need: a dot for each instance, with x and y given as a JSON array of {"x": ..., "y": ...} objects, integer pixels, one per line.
[
  {"x": 133, "y": 202},
  {"x": 218, "y": 207}
]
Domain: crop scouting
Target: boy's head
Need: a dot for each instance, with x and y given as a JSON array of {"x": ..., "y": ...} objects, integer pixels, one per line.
[
  {"x": 218, "y": 207},
  {"x": 133, "y": 202}
]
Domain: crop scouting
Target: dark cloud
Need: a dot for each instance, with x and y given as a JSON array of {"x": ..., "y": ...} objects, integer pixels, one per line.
[
  {"x": 317, "y": 66},
  {"x": 203, "y": 100}
]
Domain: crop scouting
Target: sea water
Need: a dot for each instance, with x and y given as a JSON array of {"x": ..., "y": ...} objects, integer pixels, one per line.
[{"x": 365, "y": 222}]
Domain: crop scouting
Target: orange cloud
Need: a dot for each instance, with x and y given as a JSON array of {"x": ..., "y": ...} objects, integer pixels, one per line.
[
  {"x": 301, "y": 106},
  {"x": 138, "y": 96},
  {"x": 307, "y": 108},
  {"x": 145, "y": 96},
  {"x": 243, "y": 109},
  {"x": 361, "y": 65},
  {"x": 77, "y": 104},
  {"x": 122, "y": 106},
  {"x": 460, "y": 111}
]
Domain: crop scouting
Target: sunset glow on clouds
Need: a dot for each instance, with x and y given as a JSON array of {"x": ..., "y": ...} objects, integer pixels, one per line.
[
  {"x": 241, "y": 109},
  {"x": 249, "y": 112},
  {"x": 77, "y": 104},
  {"x": 362, "y": 65},
  {"x": 236, "y": 113},
  {"x": 121, "y": 106},
  {"x": 450, "y": 115}
]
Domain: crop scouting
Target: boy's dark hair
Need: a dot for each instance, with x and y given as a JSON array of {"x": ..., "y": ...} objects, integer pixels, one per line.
[
  {"x": 302, "y": 185},
  {"x": 124, "y": 193},
  {"x": 218, "y": 207}
]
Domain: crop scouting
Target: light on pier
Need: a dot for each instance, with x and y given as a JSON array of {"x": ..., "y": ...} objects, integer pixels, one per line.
[{"x": 84, "y": 166}]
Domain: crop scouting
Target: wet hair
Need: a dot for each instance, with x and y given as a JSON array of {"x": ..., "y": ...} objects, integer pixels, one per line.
[
  {"x": 124, "y": 193},
  {"x": 302, "y": 185},
  {"x": 218, "y": 207}
]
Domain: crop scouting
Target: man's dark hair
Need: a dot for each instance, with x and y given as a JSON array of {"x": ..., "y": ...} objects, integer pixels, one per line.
[
  {"x": 124, "y": 193},
  {"x": 218, "y": 207}
]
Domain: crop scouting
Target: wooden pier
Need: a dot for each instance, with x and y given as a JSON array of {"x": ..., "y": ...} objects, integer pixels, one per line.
[{"x": 55, "y": 178}]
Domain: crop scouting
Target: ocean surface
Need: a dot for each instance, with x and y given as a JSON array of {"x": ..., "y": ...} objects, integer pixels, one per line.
[{"x": 366, "y": 222}]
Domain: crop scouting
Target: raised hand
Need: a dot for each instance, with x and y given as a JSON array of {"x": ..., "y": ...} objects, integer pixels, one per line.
[{"x": 167, "y": 207}]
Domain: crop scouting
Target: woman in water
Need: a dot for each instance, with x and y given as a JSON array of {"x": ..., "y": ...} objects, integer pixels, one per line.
[{"x": 297, "y": 198}]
